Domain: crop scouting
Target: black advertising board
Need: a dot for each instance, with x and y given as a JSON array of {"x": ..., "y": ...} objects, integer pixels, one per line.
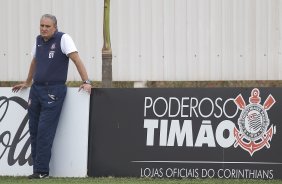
[{"x": 186, "y": 133}]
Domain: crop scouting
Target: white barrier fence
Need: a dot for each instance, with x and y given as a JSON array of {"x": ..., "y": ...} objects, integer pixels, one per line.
[{"x": 70, "y": 148}]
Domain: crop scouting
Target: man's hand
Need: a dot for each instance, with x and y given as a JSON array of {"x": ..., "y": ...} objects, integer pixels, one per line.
[
  {"x": 19, "y": 87},
  {"x": 86, "y": 87}
]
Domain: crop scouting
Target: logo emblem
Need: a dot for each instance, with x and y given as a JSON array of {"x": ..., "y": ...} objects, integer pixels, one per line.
[
  {"x": 53, "y": 46},
  {"x": 253, "y": 133}
]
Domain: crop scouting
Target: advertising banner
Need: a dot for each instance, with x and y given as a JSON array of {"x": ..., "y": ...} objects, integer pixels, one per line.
[
  {"x": 186, "y": 133},
  {"x": 70, "y": 148}
]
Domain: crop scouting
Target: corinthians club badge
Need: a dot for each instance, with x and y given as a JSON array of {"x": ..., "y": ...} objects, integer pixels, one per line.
[{"x": 253, "y": 133}]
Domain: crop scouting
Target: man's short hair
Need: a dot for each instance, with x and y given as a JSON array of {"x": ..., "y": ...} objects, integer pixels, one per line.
[{"x": 52, "y": 17}]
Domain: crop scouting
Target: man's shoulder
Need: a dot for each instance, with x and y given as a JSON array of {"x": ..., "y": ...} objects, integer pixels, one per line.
[
  {"x": 60, "y": 33},
  {"x": 66, "y": 37}
]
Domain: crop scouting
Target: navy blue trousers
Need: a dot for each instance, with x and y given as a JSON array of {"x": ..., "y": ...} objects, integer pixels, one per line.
[{"x": 45, "y": 105}]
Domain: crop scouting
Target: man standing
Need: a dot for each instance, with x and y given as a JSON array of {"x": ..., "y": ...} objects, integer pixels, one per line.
[{"x": 47, "y": 76}]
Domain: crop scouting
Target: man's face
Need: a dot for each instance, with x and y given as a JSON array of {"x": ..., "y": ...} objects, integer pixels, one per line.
[{"x": 47, "y": 28}]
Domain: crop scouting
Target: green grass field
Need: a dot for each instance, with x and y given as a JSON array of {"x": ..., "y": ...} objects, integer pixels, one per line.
[{"x": 112, "y": 180}]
